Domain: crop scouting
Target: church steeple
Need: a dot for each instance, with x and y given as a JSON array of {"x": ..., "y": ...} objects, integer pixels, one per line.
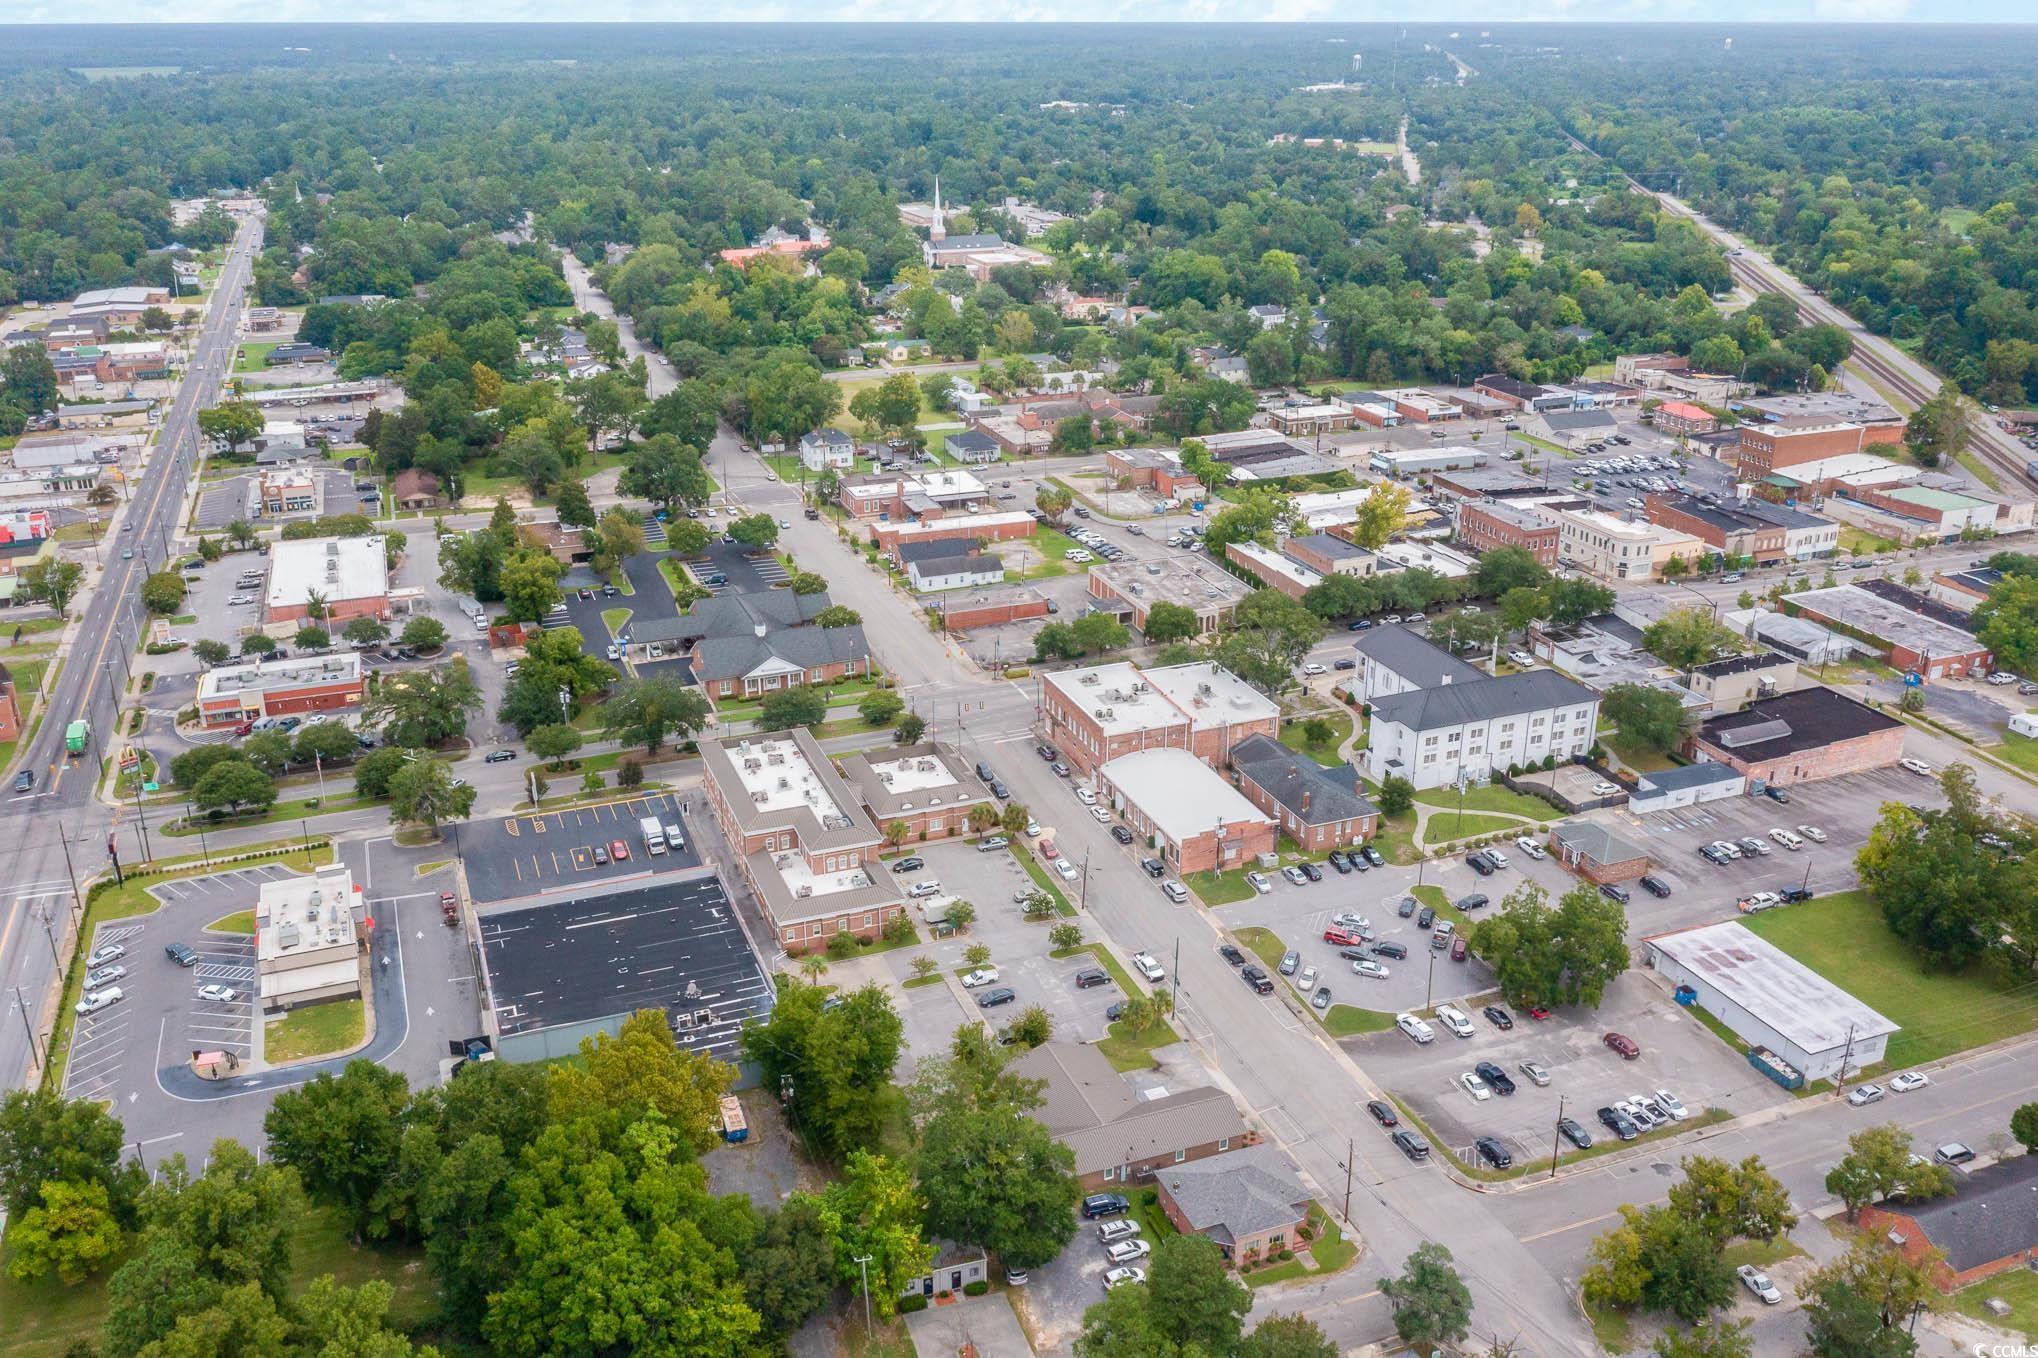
[{"x": 939, "y": 229}]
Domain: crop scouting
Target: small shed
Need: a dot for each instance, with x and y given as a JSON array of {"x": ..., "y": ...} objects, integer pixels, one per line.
[
  {"x": 1687, "y": 785},
  {"x": 2025, "y": 724}
]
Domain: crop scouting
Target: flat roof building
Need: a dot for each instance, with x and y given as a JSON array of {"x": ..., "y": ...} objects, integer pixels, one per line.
[
  {"x": 1615, "y": 549},
  {"x": 1130, "y": 589},
  {"x": 1100, "y": 712},
  {"x": 1903, "y": 630},
  {"x": 308, "y": 938},
  {"x": 1198, "y": 821},
  {"x": 1276, "y": 570},
  {"x": 1800, "y": 737},
  {"x": 234, "y": 694},
  {"x": 1402, "y": 463},
  {"x": 929, "y": 789},
  {"x": 1771, "y": 1000},
  {"x": 350, "y": 575}
]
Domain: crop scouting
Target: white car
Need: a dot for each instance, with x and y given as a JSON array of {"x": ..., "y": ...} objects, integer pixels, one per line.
[
  {"x": 1787, "y": 839},
  {"x": 928, "y": 887},
  {"x": 1604, "y": 789},
  {"x": 1100, "y": 815},
  {"x": 218, "y": 993},
  {"x": 1454, "y": 1019},
  {"x": 1306, "y": 979},
  {"x": 104, "y": 953},
  {"x": 1670, "y": 1104},
  {"x": 96, "y": 1000},
  {"x": 1475, "y": 1086},
  {"x": 1520, "y": 659},
  {"x": 2001, "y": 677},
  {"x": 1148, "y": 966},
  {"x": 1260, "y": 882},
  {"x": 100, "y": 977},
  {"x": 1312, "y": 669},
  {"x": 1033, "y": 829},
  {"x": 1761, "y": 900},
  {"x": 1350, "y": 919},
  {"x": 1860, "y": 1096},
  {"x": 1529, "y": 847},
  {"x": 1125, "y": 1251},
  {"x": 1111, "y": 1232},
  {"x": 1066, "y": 869},
  {"x": 981, "y": 976},
  {"x": 1917, "y": 766},
  {"x": 1909, "y": 1080},
  {"x": 1813, "y": 833},
  {"x": 1496, "y": 857},
  {"x": 1086, "y": 797},
  {"x": 239, "y": 600},
  {"x": 1118, "y": 1277},
  {"x": 1415, "y": 1028},
  {"x": 1756, "y": 1281},
  {"x": 1366, "y": 966}
]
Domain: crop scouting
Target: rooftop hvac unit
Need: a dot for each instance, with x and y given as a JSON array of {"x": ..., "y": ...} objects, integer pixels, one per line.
[
  {"x": 803, "y": 892},
  {"x": 332, "y": 549},
  {"x": 753, "y": 765},
  {"x": 885, "y": 778},
  {"x": 1140, "y": 686},
  {"x": 784, "y": 783},
  {"x": 704, "y": 1018},
  {"x": 774, "y": 757},
  {"x": 760, "y": 797},
  {"x": 927, "y": 764},
  {"x": 742, "y": 747},
  {"x": 287, "y": 935},
  {"x": 1088, "y": 679}
]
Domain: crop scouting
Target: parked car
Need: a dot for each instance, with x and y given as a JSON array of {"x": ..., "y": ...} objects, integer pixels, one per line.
[
  {"x": 1575, "y": 1134},
  {"x": 1091, "y": 977},
  {"x": 981, "y": 976},
  {"x": 1756, "y": 1281},
  {"x": 1906, "y": 1082},
  {"x": 1289, "y": 961},
  {"x": 1619, "y": 1123},
  {"x": 1373, "y": 855},
  {"x": 1368, "y": 968},
  {"x": 1125, "y": 1251},
  {"x": 1625, "y": 1047},
  {"x": 1260, "y": 882},
  {"x": 1953, "y": 1153},
  {"x": 1258, "y": 980},
  {"x": 1529, "y": 847},
  {"x": 1421, "y": 1032},
  {"x": 1104, "y": 1205},
  {"x": 1119, "y": 1277},
  {"x": 176, "y": 952},
  {"x": 1175, "y": 892},
  {"x": 1477, "y": 862},
  {"x": 1230, "y": 953},
  {"x": 1860, "y": 1096},
  {"x": 1498, "y": 1017},
  {"x": 1153, "y": 867},
  {"x": 1389, "y": 949},
  {"x": 1813, "y": 833},
  {"x": 1411, "y": 1145},
  {"x": 1655, "y": 885},
  {"x": 219, "y": 994},
  {"x": 95, "y": 1000},
  {"x": 1537, "y": 1074},
  {"x": 995, "y": 996},
  {"x": 1614, "y": 892},
  {"x": 1917, "y": 766},
  {"x": 1672, "y": 1105},
  {"x": 909, "y": 864},
  {"x": 1474, "y": 1086},
  {"x": 1501, "y": 1082},
  {"x": 104, "y": 953},
  {"x": 1493, "y": 1153},
  {"x": 1383, "y": 1112},
  {"x": 1121, "y": 1228}
]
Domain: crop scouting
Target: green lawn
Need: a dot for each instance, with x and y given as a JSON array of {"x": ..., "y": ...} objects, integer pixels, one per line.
[
  {"x": 239, "y": 922},
  {"x": 254, "y": 357},
  {"x": 1639, "y": 757},
  {"x": 1435, "y": 898},
  {"x": 1395, "y": 839},
  {"x": 1843, "y": 938},
  {"x": 1446, "y": 827},
  {"x": 1330, "y": 1250},
  {"x": 1346, "y": 1020},
  {"x": 314, "y": 1030},
  {"x": 2021, "y": 751},
  {"x": 1050, "y": 545},
  {"x": 614, "y": 618},
  {"x": 1043, "y": 879},
  {"x": 1154, "y": 1225},
  {"x": 1293, "y": 737},
  {"x": 2018, "y": 1287},
  {"x": 1852, "y": 537},
  {"x": 1127, "y": 1050},
  {"x": 1490, "y": 797},
  {"x": 1264, "y": 944}
]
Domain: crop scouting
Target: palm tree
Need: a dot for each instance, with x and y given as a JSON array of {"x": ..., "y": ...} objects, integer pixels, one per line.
[{"x": 813, "y": 966}]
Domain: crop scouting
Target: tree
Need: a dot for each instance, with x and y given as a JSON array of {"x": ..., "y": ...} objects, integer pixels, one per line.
[
  {"x": 1508, "y": 568},
  {"x": 1432, "y": 1305},
  {"x": 342, "y": 1135},
  {"x": 893, "y": 404},
  {"x": 1840, "y": 1322},
  {"x": 27, "y": 374},
  {"x": 997, "y": 1178},
  {"x": 1065, "y": 936},
  {"x": 1381, "y": 514},
  {"x": 1014, "y": 818},
  {"x": 1032, "y": 1028},
  {"x": 1878, "y": 1165},
  {"x": 45, "y": 1138},
  {"x": 1684, "y": 637},
  {"x": 324, "y": 742},
  {"x": 647, "y": 711},
  {"x": 1053, "y": 501},
  {"x": 618, "y": 537},
  {"x": 880, "y": 706},
  {"x": 423, "y": 634},
  {"x": 231, "y": 424},
  {"x": 1706, "y": 1340},
  {"x": 837, "y": 615},
  {"x": 689, "y": 413},
  {"x": 553, "y": 742},
  {"x": 311, "y": 638},
  {"x": 642, "y": 1067},
  {"x": 785, "y": 708},
  {"x": 530, "y": 583},
  {"x": 1189, "y": 1285},
  {"x": 1649, "y": 717},
  {"x": 1397, "y": 795},
  {"x": 420, "y": 708},
  {"x": 785, "y": 396},
  {"x": 909, "y": 729},
  {"x": 423, "y": 792},
  {"x": 53, "y": 581},
  {"x": 788, "y": 1268},
  {"x": 1167, "y": 622},
  {"x": 1251, "y": 518},
  {"x": 574, "y": 508},
  {"x": 1732, "y": 1202},
  {"x": 835, "y": 1064},
  {"x": 71, "y": 1230},
  {"x": 806, "y": 582},
  {"x": 233, "y": 787},
  {"x": 163, "y": 592},
  {"x": 210, "y": 653},
  {"x": 2007, "y": 622},
  {"x": 1543, "y": 958},
  {"x": 374, "y": 770},
  {"x": 1875, "y": 1278},
  {"x": 365, "y": 630},
  {"x": 1940, "y": 429},
  {"x": 873, "y": 1213},
  {"x": 1656, "y": 1260},
  {"x": 1950, "y": 882},
  {"x": 1270, "y": 635},
  {"x": 2024, "y": 1126},
  {"x": 1281, "y": 1336},
  {"x": 668, "y": 473},
  {"x": 1075, "y": 434},
  {"x": 755, "y": 531}
]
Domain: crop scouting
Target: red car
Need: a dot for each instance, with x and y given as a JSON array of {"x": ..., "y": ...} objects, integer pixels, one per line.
[
  {"x": 1535, "y": 1013},
  {"x": 1341, "y": 938},
  {"x": 619, "y": 851},
  {"x": 1048, "y": 851},
  {"x": 1458, "y": 948},
  {"x": 1623, "y": 1045}
]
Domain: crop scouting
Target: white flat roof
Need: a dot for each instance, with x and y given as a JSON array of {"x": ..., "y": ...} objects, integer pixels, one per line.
[
  {"x": 1179, "y": 793},
  {"x": 306, "y": 917},
  {"x": 1119, "y": 689},
  {"x": 1871, "y": 469},
  {"x": 300, "y": 672},
  {"x": 947, "y": 526},
  {"x": 777, "y": 777},
  {"x": 1775, "y": 987},
  {"x": 336, "y": 568},
  {"x": 951, "y": 483},
  {"x": 1280, "y": 564},
  {"x": 1428, "y": 556},
  {"x": 1212, "y": 695},
  {"x": 917, "y": 773}
]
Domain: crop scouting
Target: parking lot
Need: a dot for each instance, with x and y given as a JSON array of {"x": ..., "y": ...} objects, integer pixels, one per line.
[
  {"x": 532, "y": 855},
  {"x": 652, "y": 600},
  {"x": 1677, "y": 1054},
  {"x": 116, "y": 1049}
]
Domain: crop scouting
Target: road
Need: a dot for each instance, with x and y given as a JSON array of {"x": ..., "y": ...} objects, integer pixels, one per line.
[{"x": 95, "y": 661}]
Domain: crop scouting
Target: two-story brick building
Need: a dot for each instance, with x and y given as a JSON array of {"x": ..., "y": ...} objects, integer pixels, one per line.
[
  {"x": 1194, "y": 820},
  {"x": 1319, "y": 808},
  {"x": 1486, "y": 524},
  {"x": 1800, "y": 737},
  {"x": 1766, "y": 448},
  {"x": 1724, "y": 528},
  {"x": 928, "y": 789},
  {"x": 805, "y": 847},
  {"x": 1101, "y": 712}
]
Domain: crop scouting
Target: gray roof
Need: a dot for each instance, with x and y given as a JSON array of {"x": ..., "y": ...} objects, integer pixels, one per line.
[
  {"x": 1089, "y": 1108},
  {"x": 885, "y": 804},
  {"x": 1241, "y": 1194},
  {"x": 804, "y": 647},
  {"x": 1687, "y": 775},
  {"x": 1578, "y": 419},
  {"x": 933, "y": 549},
  {"x": 981, "y": 241},
  {"x": 972, "y": 441},
  {"x": 733, "y": 615},
  {"x": 828, "y": 437},
  {"x": 1289, "y": 777},
  {"x": 1414, "y": 658},
  {"x": 1330, "y": 546},
  {"x": 1991, "y": 1215},
  {"x": 1481, "y": 699},
  {"x": 1596, "y": 843},
  {"x": 956, "y": 563}
]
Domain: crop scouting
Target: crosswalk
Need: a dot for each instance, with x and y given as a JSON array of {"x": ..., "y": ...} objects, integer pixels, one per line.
[{"x": 654, "y": 533}]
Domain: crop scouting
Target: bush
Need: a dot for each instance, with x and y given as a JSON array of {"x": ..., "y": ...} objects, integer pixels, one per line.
[
  {"x": 630, "y": 773},
  {"x": 162, "y": 647},
  {"x": 909, "y": 1305},
  {"x": 841, "y": 946},
  {"x": 900, "y": 929},
  {"x": 976, "y": 1289}
]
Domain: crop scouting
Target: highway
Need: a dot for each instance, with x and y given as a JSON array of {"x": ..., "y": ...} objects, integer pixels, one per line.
[{"x": 95, "y": 661}]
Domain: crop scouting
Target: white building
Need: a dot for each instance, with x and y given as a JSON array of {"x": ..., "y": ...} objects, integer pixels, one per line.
[
  {"x": 1395, "y": 660},
  {"x": 308, "y": 938},
  {"x": 826, "y": 448},
  {"x": 1610, "y": 548},
  {"x": 1772, "y": 1000},
  {"x": 349, "y": 576}
]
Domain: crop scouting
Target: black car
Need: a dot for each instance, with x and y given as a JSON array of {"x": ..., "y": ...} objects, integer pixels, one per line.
[
  {"x": 1477, "y": 863},
  {"x": 1000, "y": 791},
  {"x": 1046, "y": 752},
  {"x": 1114, "y": 1010},
  {"x": 912, "y": 864},
  {"x": 1154, "y": 867},
  {"x": 1791, "y": 895},
  {"x": 499, "y": 756},
  {"x": 1231, "y": 954},
  {"x": 24, "y": 781},
  {"x": 1104, "y": 1205},
  {"x": 997, "y": 995},
  {"x": 180, "y": 954},
  {"x": 1493, "y": 1153},
  {"x": 1619, "y": 1123},
  {"x": 1389, "y": 949},
  {"x": 1346, "y": 664},
  {"x": 1258, "y": 980},
  {"x": 1355, "y": 954},
  {"x": 1092, "y": 976},
  {"x": 1614, "y": 892},
  {"x": 1476, "y": 901},
  {"x": 1502, "y": 1082},
  {"x": 1498, "y": 1017},
  {"x": 1412, "y": 1146},
  {"x": 1311, "y": 871},
  {"x": 1373, "y": 855},
  {"x": 1575, "y": 1134},
  {"x": 1407, "y": 907},
  {"x": 1121, "y": 834},
  {"x": 1425, "y": 918},
  {"x": 1337, "y": 861},
  {"x": 1358, "y": 863},
  {"x": 1383, "y": 1112},
  {"x": 1655, "y": 886},
  {"x": 1775, "y": 793}
]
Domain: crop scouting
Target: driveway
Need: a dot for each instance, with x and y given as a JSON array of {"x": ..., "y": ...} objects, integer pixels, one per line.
[{"x": 984, "y": 1325}]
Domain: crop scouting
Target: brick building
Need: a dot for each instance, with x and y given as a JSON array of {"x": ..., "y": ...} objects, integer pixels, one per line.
[
  {"x": 10, "y": 707},
  {"x": 1195, "y": 821},
  {"x": 1130, "y": 589},
  {"x": 1681, "y": 417},
  {"x": 1731, "y": 683},
  {"x": 1985, "y": 1227},
  {"x": 235, "y": 694},
  {"x": 1772, "y": 447},
  {"x": 1596, "y": 853},
  {"x": 1002, "y": 527},
  {"x": 1725, "y": 529},
  {"x": 1251, "y": 1205},
  {"x": 1332, "y": 555},
  {"x": 1102, "y": 712},
  {"x": 1275, "y": 570},
  {"x": 992, "y": 608},
  {"x": 1910, "y": 631},
  {"x": 1319, "y": 808},
  {"x": 1800, "y": 737},
  {"x": 1486, "y": 524},
  {"x": 804, "y": 846},
  {"x": 1155, "y": 469},
  {"x": 1117, "y": 1136},
  {"x": 927, "y": 789},
  {"x": 350, "y": 576}
]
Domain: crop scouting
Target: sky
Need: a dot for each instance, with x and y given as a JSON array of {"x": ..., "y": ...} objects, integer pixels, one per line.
[{"x": 1191, "y": 11}]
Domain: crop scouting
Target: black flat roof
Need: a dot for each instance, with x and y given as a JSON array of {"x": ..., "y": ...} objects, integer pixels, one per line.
[
  {"x": 1789, "y": 723},
  {"x": 597, "y": 957}
]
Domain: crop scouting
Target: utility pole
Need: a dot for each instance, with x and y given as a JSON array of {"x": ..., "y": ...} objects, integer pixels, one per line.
[
  {"x": 1429, "y": 985},
  {"x": 1351, "y": 1154},
  {"x": 1175, "y": 979},
  {"x": 1557, "y": 1132},
  {"x": 863, "y": 1266},
  {"x": 1083, "y": 898},
  {"x": 33, "y": 1050},
  {"x": 1846, "y": 1059},
  {"x": 143, "y": 817}
]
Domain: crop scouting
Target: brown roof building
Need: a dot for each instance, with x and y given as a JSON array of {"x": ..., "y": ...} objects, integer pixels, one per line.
[
  {"x": 1116, "y": 1135},
  {"x": 415, "y": 488},
  {"x": 1986, "y": 1226}
]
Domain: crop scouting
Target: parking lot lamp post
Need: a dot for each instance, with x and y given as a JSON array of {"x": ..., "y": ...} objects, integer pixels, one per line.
[
  {"x": 204, "y": 853},
  {"x": 1430, "y": 985},
  {"x": 863, "y": 1267},
  {"x": 1554, "y": 1134}
]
